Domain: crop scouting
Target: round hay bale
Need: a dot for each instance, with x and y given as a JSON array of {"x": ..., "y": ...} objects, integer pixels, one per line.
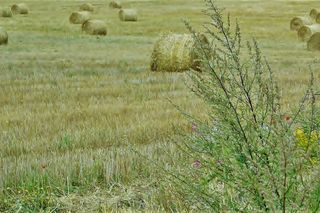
[
  {"x": 298, "y": 22},
  {"x": 128, "y": 15},
  {"x": 79, "y": 17},
  {"x": 306, "y": 31},
  {"x": 318, "y": 18},
  {"x": 3, "y": 36},
  {"x": 175, "y": 53},
  {"x": 6, "y": 12},
  {"x": 20, "y": 9},
  {"x": 314, "y": 42},
  {"x": 87, "y": 7},
  {"x": 313, "y": 13},
  {"x": 95, "y": 27},
  {"x": 115, "y": 4}
]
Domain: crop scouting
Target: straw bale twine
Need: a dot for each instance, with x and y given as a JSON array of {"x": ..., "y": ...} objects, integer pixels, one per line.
[
  {"x": 314, "y": 42},
  {"x": 298, "y": 22},
  {"x": 313, "y": 13},
  {"x": 95, "y": 27},
  {"x": 128, "y": 15},
  {"x": 87, "y": 7},
  {"x": 306, "y": 31},
  {"x": 3, "y": 36},
  {"x": 79, "y": 17},
  {"x": 175, "y": 53},
  {"x": 115, "y": 4},
  {"x": 20, "y": 9}
]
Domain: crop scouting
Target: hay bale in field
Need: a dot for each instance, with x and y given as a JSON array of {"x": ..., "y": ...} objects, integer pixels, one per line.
[
  {"x": 95, "y": 27},
  {"x": 306, "y": 31},
  {"x": 6, "y": 12},
  {"x": 87, "y": 7},
  {"x": 128, "y": 15},
  {"x": 79, "y": 17},
  {"x": 20, "y": 9},
  {"x": 314, "y": 42},
  {"x": 317, "y": 19},
  {"x": 175, "y": 53},
  {"x": 313, "y": 13},
  {"x": 115, "y": 4},
  {"x": 3, "y": 36},
  {"x": 298, "y": 22}
]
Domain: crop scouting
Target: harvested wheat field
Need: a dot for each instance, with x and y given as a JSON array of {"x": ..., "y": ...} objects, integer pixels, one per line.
[{"x": 85, "y": 122}]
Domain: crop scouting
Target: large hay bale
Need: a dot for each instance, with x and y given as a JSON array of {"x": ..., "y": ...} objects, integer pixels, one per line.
[
  {"x": 314, "y": 42},
  {"x": 79, "y": 17},
  {"x": 306, "y": 31},
  {"x": 298, "y": 22},
  {"x": 20, "y": 9},
  {"x": 95, "y": 27},
  {"x": 3, "y": 36},
  {"x": 5, "y": 12},
  {"x": 87, "y": 7},
  {"x": 128, "y": 15},
  {"x": 175, "y": 53},
  {"x": 115, "y": 4},
  {"x": 313, "y": 13}
]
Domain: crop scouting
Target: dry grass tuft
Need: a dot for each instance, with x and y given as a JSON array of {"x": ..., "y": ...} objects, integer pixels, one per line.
[
  {"x": 79, "y": 17},
  {"x": 87, "y": 7},
  {"x": 128, "y": 15},
  {"x": 298, "y": 22},
  {"x": 95, "y": 27},
  {"x": 20, "y": 9}
]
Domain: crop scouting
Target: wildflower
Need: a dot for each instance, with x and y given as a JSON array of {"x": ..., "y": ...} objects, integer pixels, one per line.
[
  {"x": 194, "y": 127},
  {"x": 196, "y": 164},
  {"x": 303, "y": 140},
  {"x": 219, "y": 162},
  {"x": 287, "y": 119}
]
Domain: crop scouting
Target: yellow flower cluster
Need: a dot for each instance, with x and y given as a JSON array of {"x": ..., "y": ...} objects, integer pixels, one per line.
[{"x": 303, "y": 140}]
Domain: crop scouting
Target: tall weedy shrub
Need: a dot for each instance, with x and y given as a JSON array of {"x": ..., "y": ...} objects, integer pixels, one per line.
[{"x": 251, "y": 157}]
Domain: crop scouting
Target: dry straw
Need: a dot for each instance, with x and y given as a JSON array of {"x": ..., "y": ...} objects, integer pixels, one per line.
[
  {"x": 79, "y": 17},
  {"x": 314, "y": 42},
  {"x": 3, "y": 36},
  {"x": 298, "y": 22},
  {"x": 87, "y": 7},
  {"x": 5, "y": 12},
  {"x": 128, "y": 15},
  {"x": 306, "y": 31},
  {"x": 20, "y": 9},
  {"x": 95, "y": 27},
  {"x": 115, "y": 4},
  {"x": 313, "y": 13},
  {"x": 175, "y": 53}
]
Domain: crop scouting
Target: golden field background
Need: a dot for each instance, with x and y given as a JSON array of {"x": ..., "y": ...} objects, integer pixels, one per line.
[{"x": 72, "y": 105}]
